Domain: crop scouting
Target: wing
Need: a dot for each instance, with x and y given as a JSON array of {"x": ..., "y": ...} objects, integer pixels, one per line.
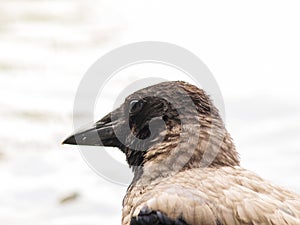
[
  {"x": 216, "y": 197},
  {"x": 149, "y": 217}
]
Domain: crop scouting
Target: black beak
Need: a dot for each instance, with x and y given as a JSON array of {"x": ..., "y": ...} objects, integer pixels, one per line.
[{"x": 99, "y": 134}]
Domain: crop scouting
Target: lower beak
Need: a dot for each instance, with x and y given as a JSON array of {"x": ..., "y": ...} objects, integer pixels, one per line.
[{"x": 99, "y": 134}]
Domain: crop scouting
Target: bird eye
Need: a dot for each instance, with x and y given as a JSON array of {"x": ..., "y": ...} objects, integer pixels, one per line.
[{"x": 135, "y": 106}]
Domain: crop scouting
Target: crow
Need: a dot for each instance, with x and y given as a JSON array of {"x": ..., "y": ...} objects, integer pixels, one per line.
[{"x": 185, "y": 164}]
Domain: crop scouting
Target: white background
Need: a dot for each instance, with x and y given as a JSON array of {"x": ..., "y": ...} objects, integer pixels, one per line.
[{"x": 251, "y": 47}]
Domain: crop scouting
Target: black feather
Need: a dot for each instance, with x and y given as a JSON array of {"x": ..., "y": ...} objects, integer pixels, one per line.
[{"x": 149, "y": 217}]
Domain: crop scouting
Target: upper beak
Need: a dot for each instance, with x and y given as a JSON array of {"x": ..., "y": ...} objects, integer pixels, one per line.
[{"x": 99, "y": 134}]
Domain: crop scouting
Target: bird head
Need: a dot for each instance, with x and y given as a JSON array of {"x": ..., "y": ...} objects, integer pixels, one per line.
[{"x": 174, "y": 124}]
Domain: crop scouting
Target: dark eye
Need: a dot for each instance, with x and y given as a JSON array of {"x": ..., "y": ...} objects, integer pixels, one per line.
[{"x": 135, "y": 106}]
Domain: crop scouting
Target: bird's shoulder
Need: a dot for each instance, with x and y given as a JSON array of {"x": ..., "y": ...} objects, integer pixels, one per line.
[{"x": 229, "y": 195}]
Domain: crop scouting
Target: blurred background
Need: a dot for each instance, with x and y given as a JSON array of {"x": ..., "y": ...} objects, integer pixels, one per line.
[{"x": 251, "y": 47}]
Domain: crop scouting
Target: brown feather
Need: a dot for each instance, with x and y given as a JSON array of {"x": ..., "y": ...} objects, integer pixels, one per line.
[{"x": 194, "y": 196}]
